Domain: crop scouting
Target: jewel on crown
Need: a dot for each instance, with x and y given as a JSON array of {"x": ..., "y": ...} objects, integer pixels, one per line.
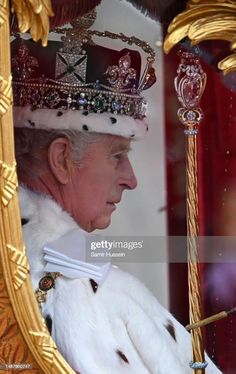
[
  {"x": 70, "y": 88},
  {"x": 23, "y": 64},
  {"x": 121, "y": 75}
]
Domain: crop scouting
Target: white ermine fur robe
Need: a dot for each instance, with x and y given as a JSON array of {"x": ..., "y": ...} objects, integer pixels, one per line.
[{"x": 119, "y": 329}]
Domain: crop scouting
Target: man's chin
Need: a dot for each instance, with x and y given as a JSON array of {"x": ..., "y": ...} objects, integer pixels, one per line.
[
  {"x": 101, "y": 224},
  {"x": 97, "y": 226}
]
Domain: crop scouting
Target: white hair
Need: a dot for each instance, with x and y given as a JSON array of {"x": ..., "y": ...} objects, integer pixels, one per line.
[
  {"x": 79, "y": 141},
  {"x": 31, "y": 147}
]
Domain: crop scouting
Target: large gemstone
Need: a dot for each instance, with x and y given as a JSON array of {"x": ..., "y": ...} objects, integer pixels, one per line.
[
  {"x": 82, "y": 101},
  {"x": 191, "y": 115},
  {"x": 129, "y": 108},
  {"x": 99, "y": 103},
  {"x": 35, "y": 96},
  {"x": 116, "y": 105},
  {"x": 53, "y": 98}
]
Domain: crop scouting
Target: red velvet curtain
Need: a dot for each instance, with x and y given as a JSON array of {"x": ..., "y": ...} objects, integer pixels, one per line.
[
  {"x": 217, "y": 204},
  {"x": 217, "y": 198}
]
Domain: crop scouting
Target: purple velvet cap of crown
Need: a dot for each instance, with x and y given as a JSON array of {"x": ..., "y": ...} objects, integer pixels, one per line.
[{"x": 91, "y": 80}]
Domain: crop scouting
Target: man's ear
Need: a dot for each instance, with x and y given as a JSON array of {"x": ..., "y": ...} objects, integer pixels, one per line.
[{"x": 59, "y": 159}]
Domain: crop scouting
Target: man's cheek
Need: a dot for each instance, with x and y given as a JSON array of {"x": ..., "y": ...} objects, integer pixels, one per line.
[{"x": 97, "y": 207}]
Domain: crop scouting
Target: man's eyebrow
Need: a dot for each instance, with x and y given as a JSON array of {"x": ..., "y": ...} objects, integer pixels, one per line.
[{"x": 120, "y": 148}]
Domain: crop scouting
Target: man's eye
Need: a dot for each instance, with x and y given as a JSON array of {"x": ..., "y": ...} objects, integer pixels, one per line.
[{"x": 118, "y": 156}]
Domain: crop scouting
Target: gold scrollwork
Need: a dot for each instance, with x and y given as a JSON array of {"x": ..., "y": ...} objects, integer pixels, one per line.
[
  {"x": 206, "y": 20},
  {"x": 19, "y": 259},
  {"x": 8, "y": 173},
  {"x": 12, "y": 345},
  {"x": 3, "y": 12},
  {"x": 45, "y": 342},
  {"x": 5, "y": 94},
  {"x": 228, "y": 64},
  {"x": 33, "y": 15}
]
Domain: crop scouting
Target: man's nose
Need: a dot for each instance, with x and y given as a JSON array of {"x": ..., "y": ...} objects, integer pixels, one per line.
[{"x": 127, "y": 178}]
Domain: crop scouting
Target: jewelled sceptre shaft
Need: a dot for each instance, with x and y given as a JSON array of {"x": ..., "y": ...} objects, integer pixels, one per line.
[{"x": 189, "y": 84}]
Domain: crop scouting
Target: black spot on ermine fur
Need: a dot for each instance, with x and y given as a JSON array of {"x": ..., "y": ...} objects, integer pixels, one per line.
[
  {"x": 94, "y": 285},
  {"x": 48, "y": 321},
  {"x": 31, "y": 123},
  {"x": 122, "y": 356},
  {"x": 85, "y": 128},
  {"x": 113, "y": 120},
  {"x": 171, "y": 330}
]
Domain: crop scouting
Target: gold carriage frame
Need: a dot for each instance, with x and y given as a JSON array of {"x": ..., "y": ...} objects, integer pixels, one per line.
[{"x": 25, "y": 338}]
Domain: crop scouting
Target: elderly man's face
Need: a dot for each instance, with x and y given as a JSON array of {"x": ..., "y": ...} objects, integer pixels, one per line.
[{"x": 96, "y": 187}]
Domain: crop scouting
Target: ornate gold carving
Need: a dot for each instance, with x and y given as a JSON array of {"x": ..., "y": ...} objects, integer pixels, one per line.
[
  {"x": 5, "y": 95},
  {"x": 206, "y": 20},
  {"x": 33, "y": 15},
  {"x": 8, "y": 173},
  {"x": 13, "y": 348},
  {"x": 21, "y": 266},
  {"x": 19, "y": 312},
  {"x": 228, "y": 64},
  {"x": 3, "y": 12},
  {"x": 45, "y": 342},
  {"x": 189, "y": 85}
]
